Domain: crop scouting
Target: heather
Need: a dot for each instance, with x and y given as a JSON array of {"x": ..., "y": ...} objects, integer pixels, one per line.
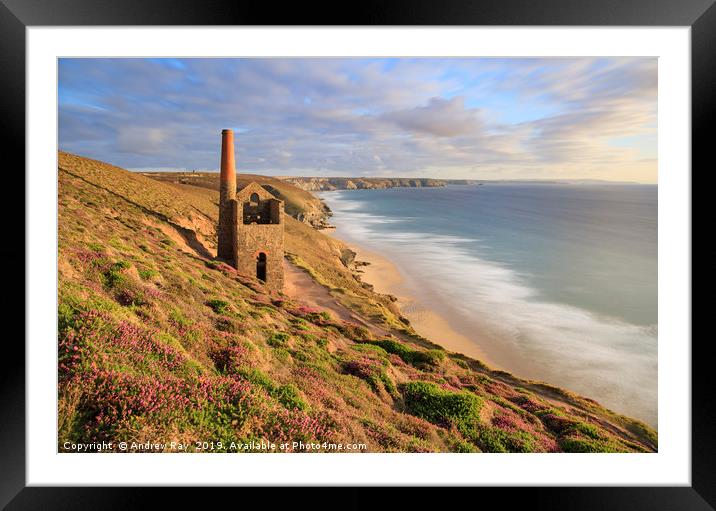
[{"x": 157, "y": 341}]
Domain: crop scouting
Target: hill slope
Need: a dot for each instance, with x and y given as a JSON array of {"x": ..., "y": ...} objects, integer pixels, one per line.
[
  {"x": 297, "y": 202},
  {"x": 160, "y": 343}
]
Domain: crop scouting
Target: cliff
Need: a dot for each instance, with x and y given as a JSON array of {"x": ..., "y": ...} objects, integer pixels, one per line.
[
  {"x": 159, "y": 342},
  {"x": 315, "y": 184}
]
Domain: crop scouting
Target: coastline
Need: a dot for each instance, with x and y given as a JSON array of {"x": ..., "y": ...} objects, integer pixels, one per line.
[
  {"x": 566, "y": 350},
  {"x": 386, "y": 278}
]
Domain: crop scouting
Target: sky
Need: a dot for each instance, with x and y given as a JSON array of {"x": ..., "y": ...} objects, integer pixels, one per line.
[{"x": 472, "y": 118}]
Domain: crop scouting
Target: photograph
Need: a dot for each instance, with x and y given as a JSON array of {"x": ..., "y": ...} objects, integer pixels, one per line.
[
  {"x": 410, "y": 245},
  {"x": 357, "y": 254}
]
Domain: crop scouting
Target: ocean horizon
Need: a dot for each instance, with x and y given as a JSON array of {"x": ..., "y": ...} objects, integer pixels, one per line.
[{"x": 553, "y": 282}]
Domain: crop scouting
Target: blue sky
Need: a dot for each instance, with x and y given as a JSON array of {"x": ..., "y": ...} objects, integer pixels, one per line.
[{"x": 481, "y": 118}]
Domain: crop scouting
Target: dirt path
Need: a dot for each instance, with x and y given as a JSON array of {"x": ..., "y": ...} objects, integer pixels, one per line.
[{"x": 298, "y": 284}]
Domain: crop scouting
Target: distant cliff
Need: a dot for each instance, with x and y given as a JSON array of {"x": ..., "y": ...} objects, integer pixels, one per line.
[{"x": 320, "y": 184}]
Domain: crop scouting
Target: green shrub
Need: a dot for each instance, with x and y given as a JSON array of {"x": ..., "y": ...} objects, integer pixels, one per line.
[
  {"x": 300, "y": 356},
  {"x": 147, "y": 274},
  {"x": 113, "y": 276},
  {"x": 218, "y": 306},
  {"x": 492, "y": 439},
  {"x": 290, "y": 397},
  {"x": 430, "y": 358},
  {"x": 575, "y": 443},
  {"x": 282, "y": 354},
  {"x": 278, "y": 340},
  {"x": 589, "y": 430},
  {"x": 442, "y": 407},
  {"x": 395, "y": 347}
]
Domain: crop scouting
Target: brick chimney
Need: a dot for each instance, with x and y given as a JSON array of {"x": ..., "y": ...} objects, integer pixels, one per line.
[
  {"x": 227, "y": 179},
  {"x": 227, "y": 200}
]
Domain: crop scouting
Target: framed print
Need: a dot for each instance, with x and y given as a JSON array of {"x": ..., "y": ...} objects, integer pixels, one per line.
[{"x": 428, "y": 246}]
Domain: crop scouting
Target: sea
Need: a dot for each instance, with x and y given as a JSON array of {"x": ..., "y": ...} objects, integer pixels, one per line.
[{"x": 553, "y": 282}]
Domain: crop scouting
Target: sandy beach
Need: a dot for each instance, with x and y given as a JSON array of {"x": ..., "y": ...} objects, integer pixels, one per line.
[{"x": 386, "y": 278}]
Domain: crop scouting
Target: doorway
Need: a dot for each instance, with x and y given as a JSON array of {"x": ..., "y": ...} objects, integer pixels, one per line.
[{"x": 261, "y": 267}]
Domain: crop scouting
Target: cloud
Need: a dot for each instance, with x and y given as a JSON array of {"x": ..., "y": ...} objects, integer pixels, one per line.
[
  {"x": 440, "y": 117},
  {"x": 143, "y": 141},
  {"x": 561, "y": 117}
]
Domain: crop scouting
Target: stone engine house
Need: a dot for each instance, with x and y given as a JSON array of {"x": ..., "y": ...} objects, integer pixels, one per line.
[{"x": 251, "y": 222}]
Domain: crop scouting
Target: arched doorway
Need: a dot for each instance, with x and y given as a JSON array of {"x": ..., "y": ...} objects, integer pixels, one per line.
[{"x": 261, "y": 267}]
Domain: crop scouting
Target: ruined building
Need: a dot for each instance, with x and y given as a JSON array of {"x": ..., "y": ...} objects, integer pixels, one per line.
[{"x": 250, "y": 227}]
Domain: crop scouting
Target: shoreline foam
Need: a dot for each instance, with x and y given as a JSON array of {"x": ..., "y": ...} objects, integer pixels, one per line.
[{"x": 385, "y": 277}]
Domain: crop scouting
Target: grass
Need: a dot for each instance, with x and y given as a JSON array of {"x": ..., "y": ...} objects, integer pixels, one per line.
[{"x": 422, "y": 359}]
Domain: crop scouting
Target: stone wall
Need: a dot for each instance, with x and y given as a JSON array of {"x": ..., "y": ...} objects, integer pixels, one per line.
[
  {"x": 252, "y": 240},
  {"x": 241, "y": 243}
]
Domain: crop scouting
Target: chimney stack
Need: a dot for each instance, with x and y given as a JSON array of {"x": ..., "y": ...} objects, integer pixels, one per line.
[
  {"x": 227, "y": 179},
  {"x": 228, "y": 208}
]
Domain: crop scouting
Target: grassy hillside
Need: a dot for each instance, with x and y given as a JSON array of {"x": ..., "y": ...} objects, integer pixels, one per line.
[
  {"x": 297, "y": 202},
  {"x": 158, "y": 342}
]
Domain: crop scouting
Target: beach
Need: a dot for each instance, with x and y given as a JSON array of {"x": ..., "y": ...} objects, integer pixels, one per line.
[{"x": 386, "y": 278}]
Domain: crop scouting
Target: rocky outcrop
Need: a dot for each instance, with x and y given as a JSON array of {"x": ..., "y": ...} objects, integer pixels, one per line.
[{"x": 315, "y": 213}]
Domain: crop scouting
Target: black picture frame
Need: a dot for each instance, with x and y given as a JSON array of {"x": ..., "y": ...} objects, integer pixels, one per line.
[{"x": 17, "y": 15}]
